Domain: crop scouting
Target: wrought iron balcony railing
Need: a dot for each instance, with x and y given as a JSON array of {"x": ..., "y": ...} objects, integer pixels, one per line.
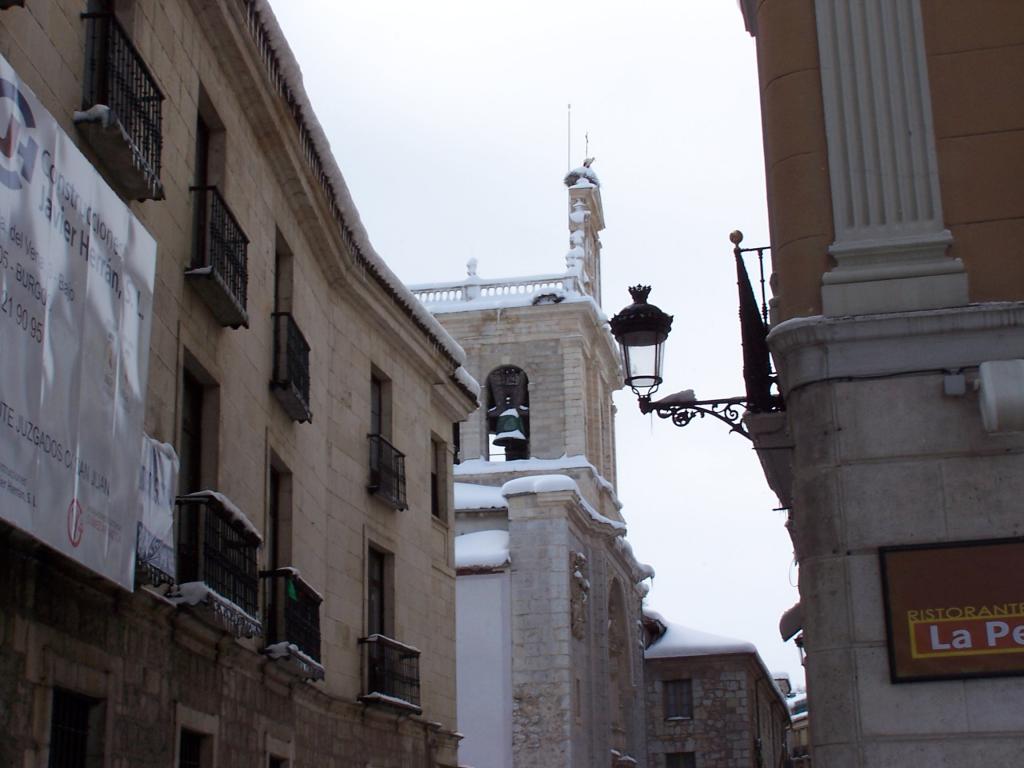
[
  {"x": 217, "y": 547},
  {"x": 122, "y": 107},
  {"x": 391, "y": 673},
  {"x": 387, "y": 472},
  {"x": 220, "y": 264},
  {"x": 294, "y": 615},
  {"x": 291, "y": 367}
]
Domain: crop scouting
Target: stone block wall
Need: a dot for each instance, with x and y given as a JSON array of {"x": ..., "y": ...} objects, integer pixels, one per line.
[
  {"x": 205, "y": 53},
  {"x": 563, "y": 686},
  {"x": 739, "y": 719},
  {"x": 155, "y": 668},
  {"x": 884, "y": 457},
  {"x": 720, "y": 731}
]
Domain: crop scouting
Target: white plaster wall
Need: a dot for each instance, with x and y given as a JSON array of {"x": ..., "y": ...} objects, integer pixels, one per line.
[{"x": 483, "y": 652}]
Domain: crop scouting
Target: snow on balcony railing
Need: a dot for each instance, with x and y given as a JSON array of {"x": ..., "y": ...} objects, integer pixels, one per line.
[
  {"x": 391, "y": 673},
  {"x": 473, "y": 288}
]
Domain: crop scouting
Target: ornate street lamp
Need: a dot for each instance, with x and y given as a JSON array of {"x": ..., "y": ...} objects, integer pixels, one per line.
[{"x": 641, "y": 330}]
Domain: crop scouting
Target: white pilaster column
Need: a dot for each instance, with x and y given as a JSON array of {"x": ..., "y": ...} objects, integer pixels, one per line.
[{"x": 890, "y": 238}]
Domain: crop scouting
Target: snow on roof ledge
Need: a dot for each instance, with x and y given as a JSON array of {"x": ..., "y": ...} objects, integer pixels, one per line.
[
  {"x": 553, "y": 483},
  {"x": 484, "y": 467},
  {"x": 482, "y": 549},
  {"x": 474, "y": 496},
  {"x": 465, "y": 378},
  {"x": 685, "y": 641},
  {"x": 292, "y": 75},
  {"x": 539, "y": 484}
]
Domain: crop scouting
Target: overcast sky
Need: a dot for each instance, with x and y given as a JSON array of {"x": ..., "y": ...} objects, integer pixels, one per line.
[{"x": 449, "y": 122}]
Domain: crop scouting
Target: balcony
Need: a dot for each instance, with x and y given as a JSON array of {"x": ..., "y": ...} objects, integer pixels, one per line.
[
  {"x": 533, "y": 288},
  {"x": 391, "y": 673},
  {"x": 291, "y": 367},
  {"x": 219, "y": 270},
  {"x": 121, "y": 110},
  {"x": 293, "y": 636},
  {"x": 217, "y": 570},
  {"x": 387, "y": 472}
]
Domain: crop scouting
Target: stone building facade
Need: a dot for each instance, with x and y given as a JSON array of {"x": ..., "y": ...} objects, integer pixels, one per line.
[
  {"x": 893, "y": 142},
  {"x": 279, "y": 342},
  {"x": 550, "y": 657},
  {"x": 711, "y": 703}
]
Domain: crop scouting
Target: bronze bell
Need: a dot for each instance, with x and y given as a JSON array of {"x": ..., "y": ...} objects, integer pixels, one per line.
[{"x": 510, "y": 431}]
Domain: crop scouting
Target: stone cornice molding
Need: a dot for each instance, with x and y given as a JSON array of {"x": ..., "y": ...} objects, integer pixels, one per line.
[{"x": 815, "y": 349}]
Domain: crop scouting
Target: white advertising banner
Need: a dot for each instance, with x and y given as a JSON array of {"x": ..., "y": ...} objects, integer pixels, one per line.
[
  {"x": 76, "y": 297},
  {"x": 154, "y": 548}
]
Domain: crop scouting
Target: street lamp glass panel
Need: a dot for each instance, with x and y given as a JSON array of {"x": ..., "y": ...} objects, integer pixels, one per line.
[{"x": 642, "y": 364}]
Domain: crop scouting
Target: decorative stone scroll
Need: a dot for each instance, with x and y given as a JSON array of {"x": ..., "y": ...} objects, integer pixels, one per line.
[{"x": 580, "y": 594}]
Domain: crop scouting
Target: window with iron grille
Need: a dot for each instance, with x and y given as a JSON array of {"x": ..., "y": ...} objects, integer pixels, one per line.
[
  {"x": 678, "y": 698},
  {"x": 391, "y": 673},
  {"x": 294, "y": 611},
  {"x": 681, "y": 760},
  {"x": 387, "y": 463},
  {"x": 291, "y": 367},
  {"x": 220, "y": 262},
  {"x": 75, "y": 731},
  {"x": 122, "y": 108},
  {"x": 387, "y": 472},
  {"x": 220, "y": 550}
]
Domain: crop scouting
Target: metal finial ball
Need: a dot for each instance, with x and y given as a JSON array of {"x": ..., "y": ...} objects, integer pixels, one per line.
[{"x": 735, "y": 237}]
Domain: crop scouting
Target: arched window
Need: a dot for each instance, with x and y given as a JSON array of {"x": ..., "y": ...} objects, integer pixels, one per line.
[{"x": 508, "y": 414}]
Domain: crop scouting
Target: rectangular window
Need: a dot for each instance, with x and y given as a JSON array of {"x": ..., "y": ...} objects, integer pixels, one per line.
[
  {"x": 201, "y": 173},
  {"x": 220, "y": 264},
  {"x": 438, "y": 479},
  {"x": 681, "y": 760},
  {"x": 387, "y": 463},
  {"x": 376, "y": 406},
  {"x": 278, "y": 547},
  {"x": 678, "y": 698},
  {"x": 198, "y": 458},
  {"x": 279, "y": 529},
  {"x": 194, "y": 749},
  {"x": 283, "y": 275},
  {"x": 191, "y": 451},
  {"x": 211, "y": 144},
  {"x": 75, "y": 731},
  {"x": 377, "y": 593},
  {"x": 117, "y": 78},
  {"x": 277, "y": 762}
]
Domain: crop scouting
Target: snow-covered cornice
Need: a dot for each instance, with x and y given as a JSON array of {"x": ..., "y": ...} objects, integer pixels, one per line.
[
  {"x": 474, "y": 467},
  {"x": 285, "y": 76}
]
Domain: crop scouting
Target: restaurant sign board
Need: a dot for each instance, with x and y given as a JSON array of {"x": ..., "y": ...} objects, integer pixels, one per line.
[{"x": 954, "y": 610}]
